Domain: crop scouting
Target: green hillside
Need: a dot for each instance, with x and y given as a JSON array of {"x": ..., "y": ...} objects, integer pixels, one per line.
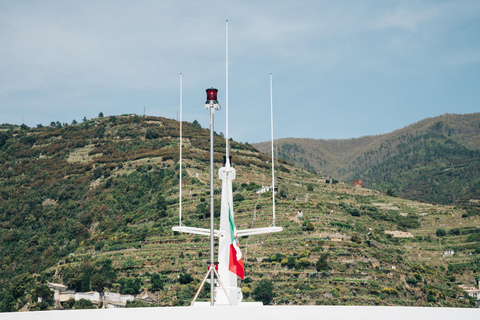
[
  {"x": 435, "y": 160},
  {"x": 92, "y": 205}
]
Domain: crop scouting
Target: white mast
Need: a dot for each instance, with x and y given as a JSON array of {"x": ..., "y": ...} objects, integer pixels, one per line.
[
  {"x": 229, "y": 293},
  {"x": 227, "y": 146},
  {"x": 273, "y": 155},
  {"x": 180, "y": 195}
]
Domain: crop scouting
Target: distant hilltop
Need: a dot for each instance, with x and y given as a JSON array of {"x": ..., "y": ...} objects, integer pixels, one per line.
[{"x": 436, "y": 159}]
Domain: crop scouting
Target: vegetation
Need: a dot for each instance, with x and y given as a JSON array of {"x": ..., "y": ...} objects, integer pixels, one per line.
[
  {"x": 92, "y": 204},
  {"x": 435, "y": 160}
]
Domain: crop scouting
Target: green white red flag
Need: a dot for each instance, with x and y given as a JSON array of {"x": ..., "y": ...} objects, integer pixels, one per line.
[{"x": 235, "y": 261}]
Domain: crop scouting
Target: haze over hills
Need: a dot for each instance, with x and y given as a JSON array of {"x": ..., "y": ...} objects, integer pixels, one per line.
[
  {"x": 91, "y": 206},
  {"x": 436, "y": 159}
]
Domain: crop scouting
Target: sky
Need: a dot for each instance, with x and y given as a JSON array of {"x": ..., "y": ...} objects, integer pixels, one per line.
[{"x": 341, "y": 69}]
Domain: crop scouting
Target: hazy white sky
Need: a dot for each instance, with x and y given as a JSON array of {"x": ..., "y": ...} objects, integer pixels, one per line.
[{"x": 341, "y": 69}]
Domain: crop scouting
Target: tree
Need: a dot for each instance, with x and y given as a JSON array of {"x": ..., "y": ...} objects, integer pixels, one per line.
[
  {"x": 100, "y": 115},
  {"x": 161, "y": 206},
  {"x": 43, "y": 306},
  {"x": 130, "y": 285},
  {"x": 282, "y": 191},
  {"x": 391, "y": 193},
  {"x": 291, "y": 262},
  {"x": 74, "y": 122},
  {"x": 441, "y": 232},
  {"x": 4, "y": 137},
  {"x": 309, "y": 187},
  {"x": 152, "y": 134},
  {"x": 43, "y": 291},
  {"x": 322, "y": 263},
  {"x": 101, "y": 132},
  {"x": 264, "y": 291},
  {"x": 97, "y": 282},
  {"x": 19, "y": 285},
  {"x": 8, "y": 304},
  {"x": 196, "y": 124},
  {"x": 156, "y": 282},
  {"x": 202, "y": 210}
]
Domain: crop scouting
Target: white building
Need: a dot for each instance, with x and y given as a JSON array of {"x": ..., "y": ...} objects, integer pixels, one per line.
[
  {"x": 472, "y": 292},
  {"x": 264, "y": 189}
]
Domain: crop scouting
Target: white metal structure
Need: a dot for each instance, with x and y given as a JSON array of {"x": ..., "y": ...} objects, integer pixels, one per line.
[{"x": 230, "y": 294}]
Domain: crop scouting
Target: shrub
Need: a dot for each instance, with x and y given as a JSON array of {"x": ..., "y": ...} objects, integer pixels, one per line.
[
  {"x": 136, "y": 304},
  {"x": 238, "y": 197},
  {"x": 441, "y": 232},
  {"x": 83, "y": 304},
  {"x": 185, "y": 278},
  {"x": 70, "y": 303},
  {"x": 354, "y": 212},
  {"x": 304, "y": 262},
  {"x": 264, "y": 291},
  {"x": 310, "y": 226},
  {"x": 322, "y": 263},
  {"x": 246, "y": 291},
  {"x": 356, "y": 238},
  {"x": 291, "y": 262},
  {"x": 454, "y": 231},
  {"x": 152, "y": 134}
]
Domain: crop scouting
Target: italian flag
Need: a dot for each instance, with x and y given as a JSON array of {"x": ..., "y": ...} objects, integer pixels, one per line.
[{"x": 235, "y": 262}]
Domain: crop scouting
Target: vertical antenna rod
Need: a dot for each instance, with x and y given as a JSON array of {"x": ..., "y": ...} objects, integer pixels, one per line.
[
  {"x": 226, "y": 94},
  {"x": 180, "y": 196},
  {"x": 273, "y": 155},
  {"x": 212, "y": 105},
  {"x": 212, "y": 252}
]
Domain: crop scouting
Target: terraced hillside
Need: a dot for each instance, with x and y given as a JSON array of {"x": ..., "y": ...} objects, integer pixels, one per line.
[{"x": 92, "y": 206}]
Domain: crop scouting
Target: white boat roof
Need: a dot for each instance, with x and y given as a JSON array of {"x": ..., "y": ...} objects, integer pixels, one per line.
[{"x": 254, "y": 312}]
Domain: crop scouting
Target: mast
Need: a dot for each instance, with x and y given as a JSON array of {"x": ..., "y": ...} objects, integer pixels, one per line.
[
  {"x": 180, "y": 194},
  {"x": 229, "y": 293},
  {"x": 227, "y": 147},
  {"x": 273, "y": 155}
]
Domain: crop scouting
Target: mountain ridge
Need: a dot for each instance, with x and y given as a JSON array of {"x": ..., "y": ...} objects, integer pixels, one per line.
[{"x": 356, "y": 158}]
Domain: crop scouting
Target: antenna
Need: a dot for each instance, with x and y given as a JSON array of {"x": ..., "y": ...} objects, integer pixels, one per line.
[
  {"x": 227, "y": 147},
  {"x": 273, "y": 155},
  {"x": 180, "y": 196}
]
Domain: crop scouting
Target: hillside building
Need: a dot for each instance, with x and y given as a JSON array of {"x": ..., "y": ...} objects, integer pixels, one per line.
[
  {"x": 472, "y": 291},
  {"x": 264, "y": 189}
]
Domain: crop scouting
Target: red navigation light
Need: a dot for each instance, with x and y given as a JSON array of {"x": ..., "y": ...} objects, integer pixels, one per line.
[{"x": 212, "y": 94}]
